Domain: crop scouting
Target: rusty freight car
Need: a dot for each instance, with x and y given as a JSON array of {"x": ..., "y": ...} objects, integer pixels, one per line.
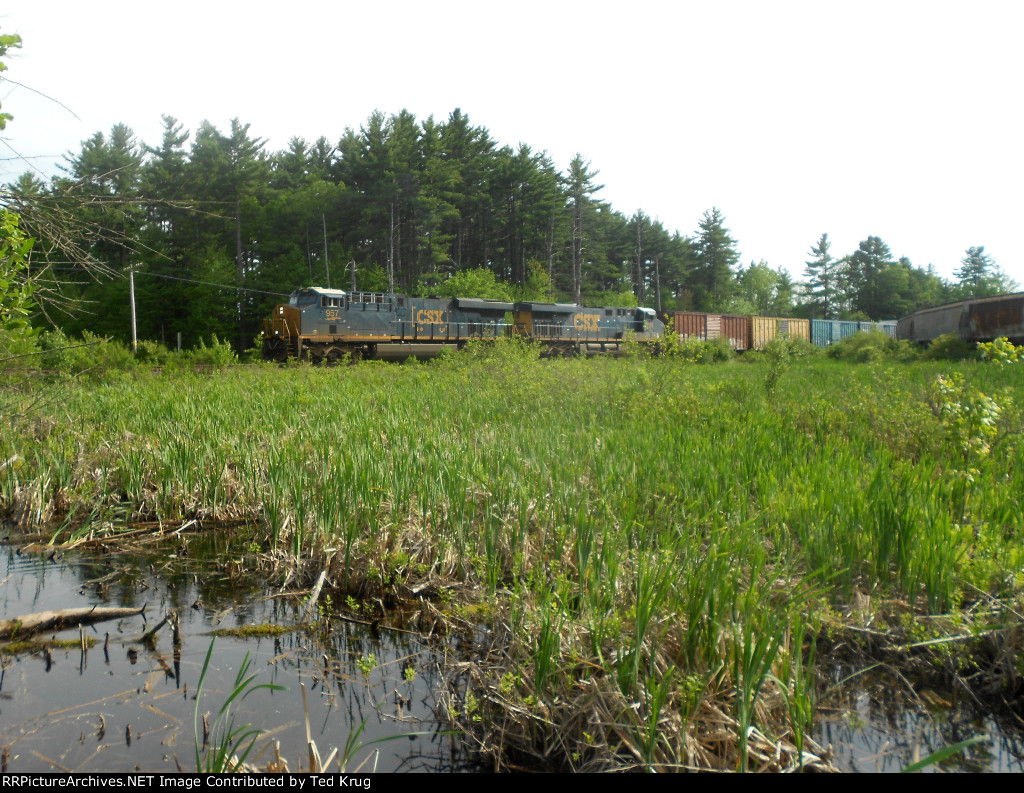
[{"x": 980, "y": 319}]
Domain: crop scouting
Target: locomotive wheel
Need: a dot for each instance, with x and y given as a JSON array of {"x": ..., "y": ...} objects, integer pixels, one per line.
[
  {"x": 334, "y": 355},
  {"x": 316, "y": 355},
  {"x": 275, "y": 349}
]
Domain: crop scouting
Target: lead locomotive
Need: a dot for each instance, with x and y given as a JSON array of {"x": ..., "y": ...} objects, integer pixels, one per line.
[{"x": 327, "y": 324}]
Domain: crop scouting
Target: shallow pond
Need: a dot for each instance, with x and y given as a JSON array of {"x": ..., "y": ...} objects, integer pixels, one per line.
[
  {"x": 877, "y": 722},
  {"x": 122, "y": 705},
  {"x": 127, "y": 706}
]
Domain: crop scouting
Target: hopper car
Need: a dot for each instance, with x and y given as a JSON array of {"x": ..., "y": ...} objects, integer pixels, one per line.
[{"x": 978, "y": 319}]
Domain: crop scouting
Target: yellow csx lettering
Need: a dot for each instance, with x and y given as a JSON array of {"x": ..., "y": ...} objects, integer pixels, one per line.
[
  {"x": 586, "y": 322},
  {"x": 429, "y": 317}
]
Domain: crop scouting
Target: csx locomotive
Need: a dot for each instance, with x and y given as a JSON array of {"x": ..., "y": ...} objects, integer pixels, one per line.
[{"x": 326, "y": 324}]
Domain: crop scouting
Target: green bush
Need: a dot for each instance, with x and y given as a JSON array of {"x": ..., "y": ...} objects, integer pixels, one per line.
[
  {"x": 14, "y": 345},
  {"x": 797, "y": 347},
  {"x": 511, "y": 349},
  {"x": 1001, "y": 351},
  {"x": 152, "y": 353},
  {"x": 217, "y": 354},
  {"x": 872, "y": 345},
  {"x": 694, "y": 350},
  {"x": 949, "y": 347},
  {"x": 92, "y": 356}
]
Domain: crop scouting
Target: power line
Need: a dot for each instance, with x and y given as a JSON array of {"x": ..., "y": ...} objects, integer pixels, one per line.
[
  {"x": 65, "y": 267},
  {"x": 210, "y": 283}
]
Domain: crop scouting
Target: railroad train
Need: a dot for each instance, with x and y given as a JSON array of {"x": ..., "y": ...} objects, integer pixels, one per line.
[
  {"x": 978, "y": 319},
  {"x": 327, "y": 324},
  {"x": 753, "y": 333}
]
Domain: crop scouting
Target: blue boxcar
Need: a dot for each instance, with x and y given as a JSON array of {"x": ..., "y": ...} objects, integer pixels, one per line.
[{"x": 825, "y": 332}]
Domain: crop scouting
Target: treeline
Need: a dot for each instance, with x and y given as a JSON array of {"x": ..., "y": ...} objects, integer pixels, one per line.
[{"x": 216, "y": 229}]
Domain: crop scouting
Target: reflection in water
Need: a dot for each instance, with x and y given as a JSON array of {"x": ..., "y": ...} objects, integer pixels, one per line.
[
  {"x": 873, "y": 730},
  {"x": 123, "y": 705}
]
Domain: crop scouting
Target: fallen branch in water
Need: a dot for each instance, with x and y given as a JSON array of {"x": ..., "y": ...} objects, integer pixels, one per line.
[{"x": 62, "y": 618}]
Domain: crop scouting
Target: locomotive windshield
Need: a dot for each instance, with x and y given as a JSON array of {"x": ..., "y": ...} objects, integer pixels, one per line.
[{"x": 302, "y": 297}]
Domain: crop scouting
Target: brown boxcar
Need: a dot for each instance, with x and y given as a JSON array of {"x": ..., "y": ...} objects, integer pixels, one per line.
[
  {"x": 691, "y": 325},
  {"x": 736, "y": 329}
]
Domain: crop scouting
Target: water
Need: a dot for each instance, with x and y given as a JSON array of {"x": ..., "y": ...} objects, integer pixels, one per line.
[
  {"x": 874, "y": 726},
  {"x": 130, "y": 707}
]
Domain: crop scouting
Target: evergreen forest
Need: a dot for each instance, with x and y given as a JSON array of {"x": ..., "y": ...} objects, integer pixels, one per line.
[{"x": 217, "y": 228}]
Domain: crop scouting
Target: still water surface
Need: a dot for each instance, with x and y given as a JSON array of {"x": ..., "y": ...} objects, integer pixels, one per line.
[{"x": 128, "y": 707}]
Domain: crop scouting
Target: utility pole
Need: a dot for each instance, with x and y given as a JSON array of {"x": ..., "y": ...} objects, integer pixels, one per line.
[
  {"x": 131, "y": 298},
  {"x": 309, "y": 256},
  {"x": 391, "y": 253},
  {"x": 657, "y": 284},
  {"x": 327, "y": 264}
]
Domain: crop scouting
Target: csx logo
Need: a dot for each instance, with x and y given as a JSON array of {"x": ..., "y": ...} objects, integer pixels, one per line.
[
  {"x": 429, "y": 317},
  {"x": 586, "y": 321}
]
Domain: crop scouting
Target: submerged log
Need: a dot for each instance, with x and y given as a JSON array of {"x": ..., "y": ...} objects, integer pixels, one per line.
[{"x": 62, "y": 618}]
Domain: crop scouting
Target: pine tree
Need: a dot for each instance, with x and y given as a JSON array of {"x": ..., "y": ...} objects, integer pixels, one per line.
[
  {"x": 821, "y": 286},
  {"x": 980, "y": 276},
  {"x": 580, "y": 185},
  {"x": 864, "y": 266},
  {"x": 713, "y": 280},
  {"x": 975, "y": 269}
]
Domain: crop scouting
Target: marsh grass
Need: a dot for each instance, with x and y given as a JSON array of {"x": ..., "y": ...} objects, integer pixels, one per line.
[
  {"x": 226, "y": 745},
  {"x": 661, "y": 553}
]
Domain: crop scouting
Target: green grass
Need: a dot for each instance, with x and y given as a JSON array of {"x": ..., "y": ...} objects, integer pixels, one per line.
[{"x": 667, "y": 540}]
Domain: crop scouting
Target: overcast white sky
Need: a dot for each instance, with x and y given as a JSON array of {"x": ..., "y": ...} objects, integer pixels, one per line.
[{"x": 898, "y": 119}]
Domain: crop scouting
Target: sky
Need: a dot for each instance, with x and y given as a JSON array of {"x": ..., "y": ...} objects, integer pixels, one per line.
[{"x": 898, "y": 119}]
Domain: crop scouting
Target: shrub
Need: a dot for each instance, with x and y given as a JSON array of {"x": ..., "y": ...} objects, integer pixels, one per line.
[
  {"x": 152, "y": 353},
  {"x": 694, "y": 350},
  {"x": 872, "y": 345},
  {"x": 511, "y": 349},
  {"x": 948, "y": 347},
  {"x": 92, "y": 356},
  {"x": 217, "y": 354},
  {"x": 1001, "y": 351},
  {"x": 797, "y": 347}
]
